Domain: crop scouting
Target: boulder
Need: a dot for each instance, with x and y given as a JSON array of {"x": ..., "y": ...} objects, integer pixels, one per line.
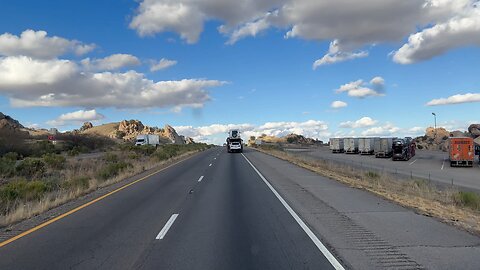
[
  {"x": 171, "y": 133},
  {"x": 86, "y": 125},
  {"x": 474, "y": 129}
]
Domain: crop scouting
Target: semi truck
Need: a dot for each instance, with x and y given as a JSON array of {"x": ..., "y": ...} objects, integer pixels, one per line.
[
  {"x": 234, "y": 142},
  {"x": 350, "y": 145},
  {"x": 477, "y": 148},
  {"x": 461, "y": 152},
  {"x": 403, "y": 149},
  {"x": 383, "y": 147},
  {"x": 336, "y": 145},
  {"x": 366, "y": 146},
  {"x": 148, "y": 139}
]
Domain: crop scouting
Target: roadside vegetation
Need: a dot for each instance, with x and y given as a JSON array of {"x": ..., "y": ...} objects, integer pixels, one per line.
[
  {"x": 450, "y": 205},
  {"x": 42, "y": 175}
]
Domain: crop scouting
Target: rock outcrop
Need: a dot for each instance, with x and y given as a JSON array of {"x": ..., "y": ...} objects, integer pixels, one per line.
[
  {"x": 10, "y": 126},
  {"x": 86, "y": 125},
  {"x": 474, "y": 130},
  {"x": 169, "y": 132}
]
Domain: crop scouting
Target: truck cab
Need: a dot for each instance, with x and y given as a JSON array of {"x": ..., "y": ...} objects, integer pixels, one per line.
[{"x": 234, "y": 142}]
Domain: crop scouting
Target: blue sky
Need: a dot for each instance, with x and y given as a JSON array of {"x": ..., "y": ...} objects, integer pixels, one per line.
[{"x": 264, "y": 81}]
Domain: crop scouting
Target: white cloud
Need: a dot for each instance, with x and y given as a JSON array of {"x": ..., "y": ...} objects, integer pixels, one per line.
[
  {"x": 29, "y": 82},
  {"x": 459, "y": 31},
  {"x": 218, "y": 132},
  {"x": 76, "y": 117},
  {"x": 338, "y": 104},
  {"x": 360, "y": 89},
  {"x": 112, "y": 62},
  {"x": 388, "y": 129},
  {"x": 345, "y": 22},
  {"x": 37, "y": 44},
  {"x": 360, "y": 123},
  {"x": 335, "y": 55},
  {"x": 162, "y": 64},
  {"x": 456, "y": 99}
]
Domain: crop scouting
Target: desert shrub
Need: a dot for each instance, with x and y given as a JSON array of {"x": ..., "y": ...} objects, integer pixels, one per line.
[
  {"x": 41, "y": 148},
  {"x": 111, "y": 170},
  {"x": 468, "y": 199},
  {"x": 24, "y": 190},
  {"x": 110, "y": 157},
  {"x": 81, "y": 182},
  {"x": 7, "y": 166},
  {"x": 371, "y": 174},
  {"x": 30, "y": 167},
  {"x": 54, "y": 161}
]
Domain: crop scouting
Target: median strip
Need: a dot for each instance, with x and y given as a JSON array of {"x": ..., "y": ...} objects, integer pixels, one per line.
[{"x": 167, "y": 226}]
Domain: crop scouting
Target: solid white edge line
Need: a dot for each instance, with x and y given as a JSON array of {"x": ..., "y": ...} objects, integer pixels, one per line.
[
  {"x": 413, "y": 161},
  {"x": 200, "y": 179},
  {"x": 167, "y": 226},
  {"x": 333, "y": 261}
]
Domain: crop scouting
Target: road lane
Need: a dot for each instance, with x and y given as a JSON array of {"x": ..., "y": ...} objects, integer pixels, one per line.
[{"x": 234, "y": 221}]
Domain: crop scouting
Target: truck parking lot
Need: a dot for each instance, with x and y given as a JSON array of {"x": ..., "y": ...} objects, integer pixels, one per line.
[{"x": 430, "y": 165}]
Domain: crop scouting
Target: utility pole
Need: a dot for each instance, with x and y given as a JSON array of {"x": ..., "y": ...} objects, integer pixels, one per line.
[{"x": 435, "y": 125}]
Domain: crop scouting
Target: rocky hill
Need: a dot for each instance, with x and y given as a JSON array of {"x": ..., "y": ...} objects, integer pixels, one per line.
[
  {"x": 10, "y": 126},
  {"x": 128, "y": 130},
  {"x": 437, "y": 139},
  {"x": 289, "y": 139}
]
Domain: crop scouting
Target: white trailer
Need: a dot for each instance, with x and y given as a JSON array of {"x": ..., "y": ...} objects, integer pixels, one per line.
[
  {"x": 350, "y": 145},
  {"x": 336, "y": 145},
  {"x": 366, "y": 146},
  {"x": 147, "y": 139},
  {"x": 383, "y": 147}
]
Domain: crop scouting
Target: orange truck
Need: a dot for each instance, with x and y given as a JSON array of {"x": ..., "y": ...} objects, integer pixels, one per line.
[{"x": 462, "y": 153}]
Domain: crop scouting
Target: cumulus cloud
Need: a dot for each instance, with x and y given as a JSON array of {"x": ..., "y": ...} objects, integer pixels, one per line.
[
  {"x": 338, "y": 104},
  {"x": 32, "y": 82},
  {"x": 448, "y": 23},
  {"x": 112, "y": 62},
  {"x": 162, "y": 64},
  {"x": 335, "y": 55},
  {"x": 456, "y": 99},
  {"x": 360, "y": 123},
  {"x": 38, "y": 45},
  {"x": 459, "y": 31},
  {"x": 388, "y": 129},
  {"x": 361, "y": 89},
  {"x": 76, "y": 117},
  {"x": 217, "y": 132}
]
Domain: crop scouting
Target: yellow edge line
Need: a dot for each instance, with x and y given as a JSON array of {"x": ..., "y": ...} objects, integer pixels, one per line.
[{"x": 46, "y": 223}]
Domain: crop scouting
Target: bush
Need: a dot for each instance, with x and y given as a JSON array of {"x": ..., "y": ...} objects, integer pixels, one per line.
[
  {"x": 41, "y": 148},
  {"x": 81, "y": 182},
  {"x": 112, "y": 170},
  {"x": 110, "y": 157},
  {"x": 371, "y": 174},
  {"x": 7, "y": 164},
  {"x": 24, "y": 190},
  {"x": 30, "y": 167},
  {"x": 54, "y": 161},
  {"x": 469, "y": 199}
]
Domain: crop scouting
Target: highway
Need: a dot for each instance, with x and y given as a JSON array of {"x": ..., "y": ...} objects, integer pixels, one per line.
[
  {"x": 430, "y": 165},
  {"x": 240, "y": 211},
  {"x": 212, "y": 211}
]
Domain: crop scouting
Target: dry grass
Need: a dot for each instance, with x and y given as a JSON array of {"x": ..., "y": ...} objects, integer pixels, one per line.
[
  {"x": 417, "y": 194},
  {"x": 88, "y": 170}
]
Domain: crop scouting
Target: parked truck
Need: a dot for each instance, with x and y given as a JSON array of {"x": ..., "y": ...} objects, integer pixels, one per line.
[
  {"x": 147, "y": 139},
  {"x": 336, "y": 145},
  {"x": 383, "y": 147},
  {"x": 461, "y": 152},
  {"x": 403, "y": 149},
  {"x": 477, "y": 148},
  {"x": 366, "y": 146},
  {"x": 350, "y": 145},
  {"x": 234, "y": 142}
]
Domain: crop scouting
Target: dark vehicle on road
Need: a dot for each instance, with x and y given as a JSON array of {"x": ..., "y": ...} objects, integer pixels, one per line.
[{"x": 403, "y": 149}]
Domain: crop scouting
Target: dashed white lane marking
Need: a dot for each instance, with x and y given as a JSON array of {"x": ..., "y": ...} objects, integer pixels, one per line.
[
  {"x": 443, "y": 164},
  {"x": 413, "y": 161},
  {"x": 167, "y": 226},
  {"x": 210, "y": 165},
  {"x": 200, "y": 179},
  {"x": 214, "y": 158},
  {"x": 333, "y": 261}
]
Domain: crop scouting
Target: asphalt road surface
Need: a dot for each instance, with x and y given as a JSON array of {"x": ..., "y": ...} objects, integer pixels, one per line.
[
  {"x": 432, "y": 165},
  {"x": 212, "y": 211}
]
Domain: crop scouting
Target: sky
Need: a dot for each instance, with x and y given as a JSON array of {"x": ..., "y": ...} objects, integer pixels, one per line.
[{"x": 313, "y": 67}]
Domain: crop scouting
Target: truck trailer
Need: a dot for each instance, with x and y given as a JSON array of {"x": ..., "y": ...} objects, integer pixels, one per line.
[
  {"x": 350, "y": 145},
  {"x": 148, "y": 139},
  {"x": 366, "y": 146},
  {"x": 234, "y": 142},
  {"x": 336, "y": 145},
  {"x": 383, "y": 147},
  {"x": 461, "y": 152},
  {"x": 403, "y": 149}
]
